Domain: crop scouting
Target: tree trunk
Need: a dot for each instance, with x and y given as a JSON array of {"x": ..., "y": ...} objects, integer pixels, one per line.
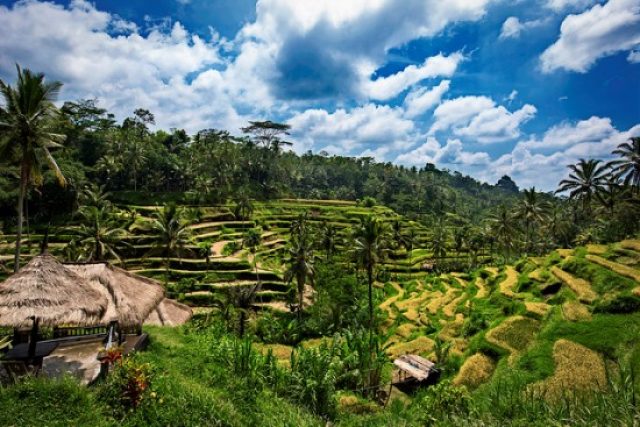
[
  {"x": 242, "y": 319},
  {"x": 370, "y": 278},
  {"x": 24, "y": 176}
]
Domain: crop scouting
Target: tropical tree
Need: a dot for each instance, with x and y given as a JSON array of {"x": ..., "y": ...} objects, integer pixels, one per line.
[
  {"x": 251, "y": 240},
  {"x": 328, "y": 239},
  {"x": 628, "y": 166},
  {"x": 410, "y": 240},
  {"x": 439, "y": 240},
  {"x": 27, "y": 134},
  {"x": 243, "y": 208},
  {"x": 371, "y": 246},
  {"x": 170, "y": 233},
  {"x": 301, "y": 267},
  {"x": 503, "y": 228},
  {"x": 98, "y": 235},
  {"x": 532, "y": 210},
  {"x": 586, "y": 180}
]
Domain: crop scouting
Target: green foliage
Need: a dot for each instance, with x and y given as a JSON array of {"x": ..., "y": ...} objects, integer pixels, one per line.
[
  {"x": 127, "y": 387},
  {"x": 602, "y": 280},
  {"x": 619, "y": 304}
]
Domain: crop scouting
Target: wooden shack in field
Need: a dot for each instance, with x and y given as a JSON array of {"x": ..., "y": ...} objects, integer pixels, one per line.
[{"x": 414, "y": 371}]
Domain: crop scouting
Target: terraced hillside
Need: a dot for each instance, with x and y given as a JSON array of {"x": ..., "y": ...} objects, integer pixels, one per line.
[
  {"x": 560, "y": 322},
  {"x": 215, "y": 259}
]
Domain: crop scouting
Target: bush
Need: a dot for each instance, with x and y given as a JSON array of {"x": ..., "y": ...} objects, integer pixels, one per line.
[
  {"x": 128, "y": 385},
  {"x": 620, "y": 304},
  {"x": 368, "y": 202},
  {"x": 444, "y": 401}
]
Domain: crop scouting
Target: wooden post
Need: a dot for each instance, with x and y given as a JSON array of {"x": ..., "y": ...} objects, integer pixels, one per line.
[{"x": 33, "y": 338}]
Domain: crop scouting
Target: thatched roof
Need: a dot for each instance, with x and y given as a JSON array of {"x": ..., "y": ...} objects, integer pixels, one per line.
[
  {"x": 169, "y": 313},
  {"x": 55, "y": 294},
  {"x": 130, "y": 297}
]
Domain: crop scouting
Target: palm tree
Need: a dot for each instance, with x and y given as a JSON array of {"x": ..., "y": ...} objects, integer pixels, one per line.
[
  {"x": 300, "y": 266},
  {"x": 98, "y": 235},
  {"x": 252, "y": 239},
  {"x": 532, "y": 210},
  {"x": 243, "y": 208},
  {"x": 26, "y": 134},
  {"x": 170, "y": 232},
  {"x": 439, "y": 241},
  {"x": 628, "y": 167},
  {"x": 328, "y": 239},
  {"x": 411, "y": 240},
  {"x": 371, "y": 245},
  {"x": 587, "y": 179},
  {"x": 503, "y": 228}
]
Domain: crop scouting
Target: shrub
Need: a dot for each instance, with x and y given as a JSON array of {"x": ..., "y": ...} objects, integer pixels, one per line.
[
  {"x": 368, "y": 202},
  {"x": 127, "y": 386},
  {"x": 443, "y": 401},
  {"x": 620, "y": 304}
]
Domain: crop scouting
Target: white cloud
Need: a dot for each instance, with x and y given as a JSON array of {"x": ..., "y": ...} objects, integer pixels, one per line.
[
  {"x": 512, "y": 96},
  {"x": 450, "y": 154},
  {"x": 543, "y": 163},
  {"x": 324, "y": 48},
  {"x": 480, "y": 119},
  {"x": 601, "y": 31},
  {"x": 360, "y": 131},
  {"x": 566, "y": 134},
  {"x": 96, "y": 54},
  {"x": 634, "y": 57},
  {"x": 512, "y": 27},
  {"x": 389, "y": 87},
  {"x": 560, "y": 5},
  {"x": 421, "y": 100}
]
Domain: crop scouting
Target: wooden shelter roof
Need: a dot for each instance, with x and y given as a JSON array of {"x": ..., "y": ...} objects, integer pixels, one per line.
[{"x": 416, "y": 366}]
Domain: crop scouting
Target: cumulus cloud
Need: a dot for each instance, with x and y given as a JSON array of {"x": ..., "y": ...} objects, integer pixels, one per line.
[
  {"x": 370, "y": 129},
  {"x": 389, "y": 87},
  {"x": 97, "y": 54},
  {"x": 452, "y": 153},
  {"x": 535, "y": 162},
  {"x": 560, "y": 5},
  {"x": 598, "y": 32},
  {"x": 322, "y": 48},
  {"x": 512, "y": 27},
  {"x": 480, "y": 119},
  {"x": 423, "y": 99}
]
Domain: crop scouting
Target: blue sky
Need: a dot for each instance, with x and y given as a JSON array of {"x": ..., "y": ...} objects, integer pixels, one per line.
[{"x": 487, "y": 87}]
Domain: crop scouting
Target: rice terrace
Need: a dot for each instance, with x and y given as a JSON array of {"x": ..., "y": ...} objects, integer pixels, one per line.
[{"x": 316, "y": 213}]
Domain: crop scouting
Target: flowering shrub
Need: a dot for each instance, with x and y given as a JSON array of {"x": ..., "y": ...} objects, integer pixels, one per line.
[{"x": 128, "y": 385}]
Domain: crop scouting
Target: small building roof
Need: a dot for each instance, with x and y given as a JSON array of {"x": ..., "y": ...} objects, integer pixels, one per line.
[
  {"x": 414, "y": 365},
  {"x": 56, "y": 295},
  {"x": 169, "y": 313},
  {"x": 131, "y": 297}
]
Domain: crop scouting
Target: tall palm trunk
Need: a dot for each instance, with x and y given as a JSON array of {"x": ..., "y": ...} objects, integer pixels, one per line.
[
  {"x": 370, "y": 279},
  {"x": 24, "y": 177}
]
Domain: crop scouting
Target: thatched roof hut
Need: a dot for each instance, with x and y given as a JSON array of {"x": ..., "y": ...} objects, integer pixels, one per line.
[
  {"x": 169, "y": 313},
  {"x": 131, "y": 298},
  {"x": 55, "y": 294}
]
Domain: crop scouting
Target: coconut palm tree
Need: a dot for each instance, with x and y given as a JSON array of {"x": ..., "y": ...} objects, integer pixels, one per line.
[
  {"x": 439, "y": 241},
  {"x": 587, "y": 179},
  {"x": 628, "y": 166},
  {"x": 251, "y": 240},
  {"x": 503, "y": 228},
  {"x": 532, "y": 210},
  {"x": 243, "y": 208},
  {"x": 328, "y": 239},
  {"x": 170, "y": 232},
  {"x": 371, "y": 246},
  {"x": 98, "y": 235},
  {"x": 26, "y": 134},
  {"x": 301, "y": 267}
]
